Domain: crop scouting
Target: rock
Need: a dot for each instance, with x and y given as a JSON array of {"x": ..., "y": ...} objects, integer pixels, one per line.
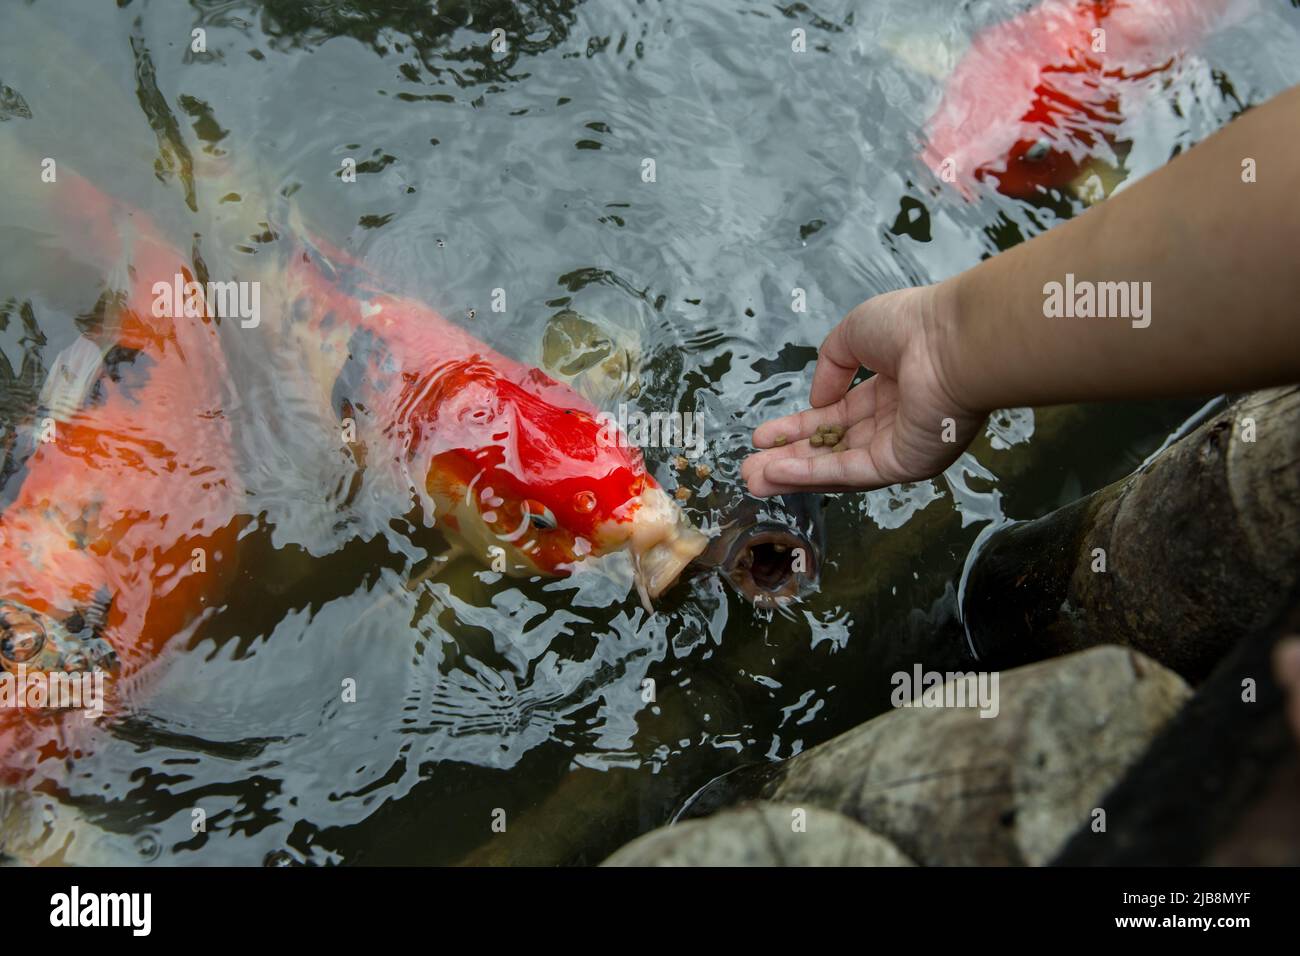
[
  {"x": 1180, "y": 560},
  {"x": 1220, "y": 784},
  {"x": 762, "y": 834},
  {"x": 949, "y": 787}
]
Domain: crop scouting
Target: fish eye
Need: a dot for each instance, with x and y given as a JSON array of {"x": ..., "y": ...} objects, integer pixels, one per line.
[
  {"x": 540, "y": 516},
  {"x": 1038, "y": 152}
]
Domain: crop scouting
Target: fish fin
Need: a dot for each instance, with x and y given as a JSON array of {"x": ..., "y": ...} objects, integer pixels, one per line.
[
  {"x": 347, "y": 274},
  {"x": 437, "y": 564},
  {"x": 96, "y": 613},
  {"x": 71, "y": 378},
  {"x": 324, "y": 263}
]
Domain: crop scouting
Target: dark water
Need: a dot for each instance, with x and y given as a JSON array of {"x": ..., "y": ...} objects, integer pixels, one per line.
[{"x": 522, "y": 170}]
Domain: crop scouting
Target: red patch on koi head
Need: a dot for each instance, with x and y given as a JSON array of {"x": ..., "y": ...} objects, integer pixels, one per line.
[{"x": 540, "y": 473}]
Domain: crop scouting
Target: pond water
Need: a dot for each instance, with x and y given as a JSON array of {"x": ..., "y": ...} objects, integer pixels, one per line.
[{"x": 481, "y": 698}]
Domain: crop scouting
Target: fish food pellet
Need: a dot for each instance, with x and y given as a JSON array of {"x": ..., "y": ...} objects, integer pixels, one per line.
[
  {"x": 680, "y": 462},
  {"x": 839, "y": 446},
  {"x": 816, "y": 440},
  {"x": 682, "y": 494},
  {"x": 703, "y": 471},
  {"x": 780, "y": 440}
]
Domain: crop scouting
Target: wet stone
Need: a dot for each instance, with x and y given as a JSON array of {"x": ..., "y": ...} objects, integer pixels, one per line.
[{"x": 762, "y": 834}]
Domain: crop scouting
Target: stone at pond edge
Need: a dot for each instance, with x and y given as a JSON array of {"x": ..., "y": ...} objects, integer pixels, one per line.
[
  {"x": 951, "y": 788},
  {"x": 762, "y": 834}
]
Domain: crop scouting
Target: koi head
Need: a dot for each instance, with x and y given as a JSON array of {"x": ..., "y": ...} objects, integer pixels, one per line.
[
  {"x": 537, "y": 482},
  {"x": 33, "y": 642}
]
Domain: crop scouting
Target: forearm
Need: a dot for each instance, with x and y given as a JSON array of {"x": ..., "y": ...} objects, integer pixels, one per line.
[{"x": 1222, "y": 257}]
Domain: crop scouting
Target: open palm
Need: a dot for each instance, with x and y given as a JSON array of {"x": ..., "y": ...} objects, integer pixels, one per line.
[{"x": 903, "y": 424}]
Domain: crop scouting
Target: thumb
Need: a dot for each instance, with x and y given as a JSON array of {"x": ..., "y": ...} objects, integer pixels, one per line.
[{"x": 870, "y": 337}]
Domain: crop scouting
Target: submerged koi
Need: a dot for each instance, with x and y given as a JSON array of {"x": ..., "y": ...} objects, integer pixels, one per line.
[
  {"x": 514, "y": 466},
  {"x": 1035, "y": 100},
  {"x": 120, "y": 526}
]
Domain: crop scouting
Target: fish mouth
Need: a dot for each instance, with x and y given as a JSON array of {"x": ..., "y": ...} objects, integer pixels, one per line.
[
  {"x": 663, "y": 543},
  {"x": 770, "y": 565},
  {"x": 770, "y": 553}
]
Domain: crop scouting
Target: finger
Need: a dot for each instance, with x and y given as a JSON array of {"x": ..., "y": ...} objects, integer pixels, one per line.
[
  {"x": 771, "y": 490},
  {"x": 762, "y": 487},
  {"x": 1286, "y": 661},
  {"x": 858, "y": 435},
  {"x": 754, "y": 470},
  {"x": 858, "y": 404},
  {"x": 1286, "y": 668},
  {"x": 854, "y": 469},
  {"x": 836, "y": 366},
  {"x": 870, "y": 336},
  {"x": 757, "y": 462},
  {"x": 751, "y": 469}
]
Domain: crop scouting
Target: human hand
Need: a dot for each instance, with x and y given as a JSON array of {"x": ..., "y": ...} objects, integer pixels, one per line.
[
  {"x": 906, "y": 423},
  {"x": 1286, "y": 670}
]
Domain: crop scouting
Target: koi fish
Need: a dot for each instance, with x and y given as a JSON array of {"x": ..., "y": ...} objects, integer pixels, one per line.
[
  {"x": 1035, "y": 101},
  {"x": 770, "y": 552},
  {"x": 515, "y": 467},
  {"x": 120, "y": 525}
]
